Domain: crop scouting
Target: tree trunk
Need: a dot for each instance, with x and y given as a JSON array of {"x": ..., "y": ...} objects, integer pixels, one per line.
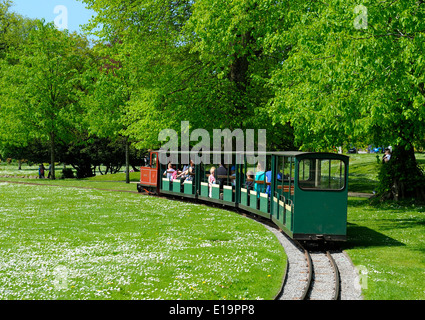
[
  {"x": 52, "y": 156},
  {"x": 402, "y": 178},
  {"x": 127, "y": 161}
]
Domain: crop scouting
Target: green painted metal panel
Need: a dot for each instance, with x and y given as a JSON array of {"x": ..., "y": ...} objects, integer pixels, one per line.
[
  {"x": 289, "y": 217},
  {"x": 166, "y": 184},
  {"x": 215, "y": 191},
  {"x": 176, "y": 185},
  {"x": 244, "y": 196},
  {"x": 253, "y": 199},
  {"x": 204, "y": 189},
  {"x": 275, "y": 209},
  {"x": 264, "y": 202},
  {"x": 321, "y": 213},
  {"x": 188, "y": 187},
  {"x": 281, "y": 217},
  {"x": 228, "y": 193}
]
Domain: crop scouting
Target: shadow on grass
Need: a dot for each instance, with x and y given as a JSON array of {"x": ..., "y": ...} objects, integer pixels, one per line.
[
  {"x": 362, "y": 184},
  {"x": 360, "y": 236},
  {"x": 400, "y": 218}
]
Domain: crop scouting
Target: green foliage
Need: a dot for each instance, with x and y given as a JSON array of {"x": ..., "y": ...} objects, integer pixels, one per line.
[
  {"x": 13, "y": 28},
  {"x": 14, "y": 31},
  {"x": 42, "y": 87},
  {"x": 346, "y": 84},
  {"x": 401, "y": 177},
  {"x": 182, "y": 66}
]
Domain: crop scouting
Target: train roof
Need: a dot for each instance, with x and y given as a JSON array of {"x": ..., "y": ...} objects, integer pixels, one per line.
[
  {"x": 278, "y": 153},
  {"x": 299, "y": 153}
]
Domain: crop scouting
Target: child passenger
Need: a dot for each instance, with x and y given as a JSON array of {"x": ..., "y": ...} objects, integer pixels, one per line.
[{"x": 211, "y": 180}]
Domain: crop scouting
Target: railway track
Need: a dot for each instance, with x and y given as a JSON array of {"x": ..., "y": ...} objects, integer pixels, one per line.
[
  {"x": 313, "y": 274},
  {"x": 324, "y": 277}
]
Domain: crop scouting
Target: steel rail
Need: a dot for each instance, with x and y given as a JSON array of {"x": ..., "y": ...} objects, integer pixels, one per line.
[
  {"x": 308, "y": 287},
  {"x": 337, "y": 276}
]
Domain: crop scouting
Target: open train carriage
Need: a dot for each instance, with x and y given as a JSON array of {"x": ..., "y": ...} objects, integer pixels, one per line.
[
  {"x": 169, "y": 174},
  {"x": 305, "y": 194},
  {"x": 188, "y": 175},
  {"x": 178, "y": 175}
]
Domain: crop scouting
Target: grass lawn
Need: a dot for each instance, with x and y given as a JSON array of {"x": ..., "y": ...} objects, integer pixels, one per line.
[
  {"x": 387, "y": 244},
  {"x": 386, "y": 241},
  {"x": 27, "y": 171},
  {"x": 363, "y": 173},
  {"x": 66, "y": 243},
  {"x": 102, "y": 240},
  {"x": 364, "y": 169}
]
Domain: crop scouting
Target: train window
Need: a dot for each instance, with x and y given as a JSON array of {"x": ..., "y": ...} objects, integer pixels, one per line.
[
  {"x": 154, "y": 160},
  {"x": 321, "y": 174}
]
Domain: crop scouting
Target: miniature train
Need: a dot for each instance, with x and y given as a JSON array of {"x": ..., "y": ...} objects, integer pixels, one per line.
[{"x": 303, "y": 193}]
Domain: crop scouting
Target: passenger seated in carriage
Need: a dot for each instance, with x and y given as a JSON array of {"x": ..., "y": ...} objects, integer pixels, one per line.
[
  {"x": 221, "y": 173},
  {"x": 169, "y": 172},
  {"x": 176, "y": 175},
  {"x": 259, "y": 176},
  {"x": 188, "y": 172},
  {"x": 249, "y": 184},
  {"x": 233, "y": 176},
  {"x": 269, "y": 180}
]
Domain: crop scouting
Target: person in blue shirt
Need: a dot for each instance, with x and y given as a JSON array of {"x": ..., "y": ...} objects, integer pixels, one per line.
[
  {"x": 259, "y": 176},
  {"x": 269, "y": 179}
]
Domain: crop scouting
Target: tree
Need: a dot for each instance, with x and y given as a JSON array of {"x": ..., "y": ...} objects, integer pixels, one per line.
[
  {"x": 111, "y": 84},
  {"x": 356, "y": 74},
  {"x": 43, "y": 84},
  {"x": 201, "y": 62},
  {"x": 14, "y": 30}
]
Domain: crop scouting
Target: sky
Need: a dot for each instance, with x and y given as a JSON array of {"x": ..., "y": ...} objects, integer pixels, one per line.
[{"x": 66, "y": 14}]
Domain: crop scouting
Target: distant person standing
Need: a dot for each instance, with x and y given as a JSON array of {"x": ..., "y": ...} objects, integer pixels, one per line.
[
  {"x": 41, "y": 170},
  {"x": 50, "y": 172}
]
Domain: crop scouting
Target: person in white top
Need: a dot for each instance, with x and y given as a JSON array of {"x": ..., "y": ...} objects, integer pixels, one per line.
[
  {"x": 387, "y": 155},
  {"x": 169, "y": 171}
]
